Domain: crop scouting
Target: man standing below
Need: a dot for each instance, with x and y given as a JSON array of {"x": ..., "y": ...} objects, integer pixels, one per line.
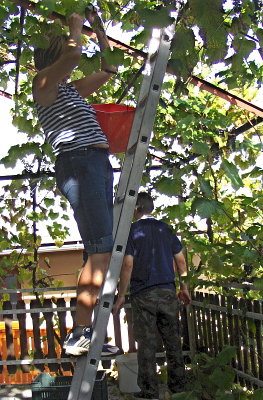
[{"x": 153, "y": 254}]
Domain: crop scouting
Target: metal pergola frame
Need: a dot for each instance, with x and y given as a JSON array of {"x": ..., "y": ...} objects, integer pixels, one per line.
[{"x": 238, "y": 101}]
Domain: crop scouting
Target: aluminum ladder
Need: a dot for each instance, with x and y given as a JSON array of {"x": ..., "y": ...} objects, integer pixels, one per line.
[{"x": 125, "y": 201}]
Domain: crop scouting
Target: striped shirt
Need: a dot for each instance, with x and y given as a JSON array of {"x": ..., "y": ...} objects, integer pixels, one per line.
[{"x": 70, "y": 123}]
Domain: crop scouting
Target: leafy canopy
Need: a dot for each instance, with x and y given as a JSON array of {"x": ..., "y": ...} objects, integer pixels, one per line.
[{"x": 206, "y": 168}]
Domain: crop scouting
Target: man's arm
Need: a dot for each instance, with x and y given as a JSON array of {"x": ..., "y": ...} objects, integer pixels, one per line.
[
  {"x": 125, "y": 277},
  {"x": 181, "y": 269}
]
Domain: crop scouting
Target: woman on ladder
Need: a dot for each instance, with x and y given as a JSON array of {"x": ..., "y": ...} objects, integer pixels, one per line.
[{"x": 83, "y": 171}]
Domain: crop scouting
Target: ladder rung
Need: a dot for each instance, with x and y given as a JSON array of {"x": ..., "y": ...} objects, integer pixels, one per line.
[
  {"x": 153, "y": 57},
  {"x": 120, "y": 199},
  {"x": 132, "y": 149},
  {"x": 143, "y": 101}
]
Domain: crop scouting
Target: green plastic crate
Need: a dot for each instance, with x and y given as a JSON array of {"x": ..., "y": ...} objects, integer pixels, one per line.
[{"x": 50, "y": 387}]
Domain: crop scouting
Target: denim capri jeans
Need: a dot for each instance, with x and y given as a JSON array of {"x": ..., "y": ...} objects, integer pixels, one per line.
[{"x": 85, "y": 177}]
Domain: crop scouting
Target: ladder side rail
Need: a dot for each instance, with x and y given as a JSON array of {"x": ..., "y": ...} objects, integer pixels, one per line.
[
  {"x": 145, "y": 134},
  {"x": 86, "y": 386},
  {"x": 90, "y": 363},
  {"x": 122, "y": 186},
  {"x": 133, "y": 140},
  {"x": 85, "y": 371},
  {"x": 153, "y": 61}
]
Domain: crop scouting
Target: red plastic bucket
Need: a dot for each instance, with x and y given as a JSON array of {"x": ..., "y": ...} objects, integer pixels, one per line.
[{"x": 116, "y": 122}]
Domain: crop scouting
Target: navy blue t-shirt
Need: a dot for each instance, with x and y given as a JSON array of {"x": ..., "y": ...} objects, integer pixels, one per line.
[{"x": 153, "y": 245}]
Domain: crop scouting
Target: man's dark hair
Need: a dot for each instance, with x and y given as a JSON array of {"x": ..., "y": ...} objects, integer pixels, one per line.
[{"x": 144, "y": 203}]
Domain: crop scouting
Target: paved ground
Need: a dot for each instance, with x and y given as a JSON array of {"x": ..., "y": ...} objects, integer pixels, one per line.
[
  {"x": 15, "y": 392},
  {"x": 20, "y": 392}
]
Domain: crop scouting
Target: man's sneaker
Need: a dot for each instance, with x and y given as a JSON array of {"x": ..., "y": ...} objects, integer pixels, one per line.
[
  {"x": 108, "y": 350},
  {"x": 77, "y": 342}
]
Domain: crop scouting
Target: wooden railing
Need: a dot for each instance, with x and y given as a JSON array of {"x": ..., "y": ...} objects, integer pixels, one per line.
[
  {"x": 226, "y": 320},
  {"x": 33, "y": 331}
]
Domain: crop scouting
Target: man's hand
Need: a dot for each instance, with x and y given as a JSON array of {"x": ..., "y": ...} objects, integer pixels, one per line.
[
  {"x": 118, "y": 305},
  {"x": 184, "y": 296}
]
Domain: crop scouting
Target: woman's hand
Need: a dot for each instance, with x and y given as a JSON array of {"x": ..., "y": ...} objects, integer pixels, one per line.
[
  {"x": 91, "y": 13},
  {"x": 93, "y": 18}
]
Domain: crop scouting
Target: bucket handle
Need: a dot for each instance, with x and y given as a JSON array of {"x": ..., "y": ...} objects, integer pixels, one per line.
[{"x": 130, "y": 369}]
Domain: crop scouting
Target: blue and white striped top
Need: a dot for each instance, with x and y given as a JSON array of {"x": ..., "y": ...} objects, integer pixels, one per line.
[{"x": 70, "y": 123}]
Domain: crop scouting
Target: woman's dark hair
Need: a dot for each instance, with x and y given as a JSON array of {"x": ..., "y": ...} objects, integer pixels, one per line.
[
  {"x": 144, "y": 203},
  {"x": 45, "y": 57}
]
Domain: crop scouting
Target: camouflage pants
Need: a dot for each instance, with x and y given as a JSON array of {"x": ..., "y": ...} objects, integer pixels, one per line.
[{"x": 154, "y": 310}]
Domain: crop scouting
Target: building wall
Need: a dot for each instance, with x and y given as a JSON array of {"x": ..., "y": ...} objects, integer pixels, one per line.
[{"x": 64, "y": 264}]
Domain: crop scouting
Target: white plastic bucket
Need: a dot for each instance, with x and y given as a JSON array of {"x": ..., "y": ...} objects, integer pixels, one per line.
[{"x": 127, "y": 370}]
